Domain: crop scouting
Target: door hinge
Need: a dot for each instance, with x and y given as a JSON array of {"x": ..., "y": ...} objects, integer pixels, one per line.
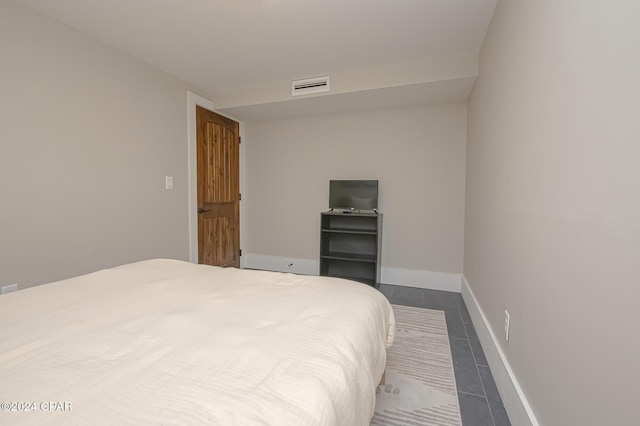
[
  {"x": 240, "y": 252},
  {"x": 239, "y": 197},
  {"x": 239, "y": 140}
]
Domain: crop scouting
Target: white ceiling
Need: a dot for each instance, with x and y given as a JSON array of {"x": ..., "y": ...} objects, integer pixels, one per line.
[
  {"x": 385, "y": 97},
  {"x": 220, "y": 46}
]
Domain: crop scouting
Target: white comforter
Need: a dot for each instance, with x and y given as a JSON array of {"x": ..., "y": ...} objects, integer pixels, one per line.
[{"x": 169, "y": 342}]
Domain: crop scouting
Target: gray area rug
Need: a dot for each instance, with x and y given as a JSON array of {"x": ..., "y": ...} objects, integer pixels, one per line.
[{"x": 420, "y": 386}]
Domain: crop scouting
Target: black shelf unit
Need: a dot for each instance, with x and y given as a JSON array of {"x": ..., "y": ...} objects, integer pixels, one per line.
[{"x": 350, "y": 246}]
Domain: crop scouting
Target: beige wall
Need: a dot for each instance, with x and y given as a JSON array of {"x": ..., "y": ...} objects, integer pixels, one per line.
[
  {"x": 553, "y": 206},
  {"x": 417, "y": 154},
  {"x": 87, "y": 135}
]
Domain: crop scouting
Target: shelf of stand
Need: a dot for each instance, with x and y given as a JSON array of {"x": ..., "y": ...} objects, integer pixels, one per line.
[
  {"x": 350, "y": 246},
  {"x": 354, "y": 270},
  {"x": 350, "y": 231},
  {"x": 356, "y": 257}
]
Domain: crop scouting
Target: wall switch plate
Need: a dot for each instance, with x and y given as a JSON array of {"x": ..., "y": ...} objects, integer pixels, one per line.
[
  {"x": 507, "y": 323},
  {"x": 9, "y": 288},
  {"x": 168, "y": 182}
]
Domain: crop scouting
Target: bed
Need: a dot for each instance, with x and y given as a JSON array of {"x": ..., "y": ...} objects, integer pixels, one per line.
[{"x": 169, "y": 342}]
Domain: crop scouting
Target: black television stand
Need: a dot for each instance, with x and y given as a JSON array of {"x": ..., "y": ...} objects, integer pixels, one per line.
[{"x": 350, "y": 245}]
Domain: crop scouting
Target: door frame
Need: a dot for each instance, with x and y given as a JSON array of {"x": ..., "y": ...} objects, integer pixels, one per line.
[{"x": 192, "y": 101}]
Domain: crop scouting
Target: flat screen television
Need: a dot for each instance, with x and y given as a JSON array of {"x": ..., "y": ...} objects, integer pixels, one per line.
[{"x": 353, "y": 194}]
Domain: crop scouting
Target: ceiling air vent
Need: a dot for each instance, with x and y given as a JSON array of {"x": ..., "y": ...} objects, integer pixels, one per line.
[{"x": 310, "y": 85}]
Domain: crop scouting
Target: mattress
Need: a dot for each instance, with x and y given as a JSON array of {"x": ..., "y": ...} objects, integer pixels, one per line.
[{"x": 173, "y": 343}]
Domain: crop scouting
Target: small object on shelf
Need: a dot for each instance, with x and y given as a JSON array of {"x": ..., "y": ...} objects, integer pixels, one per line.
[{"x": 350, "y": 246}]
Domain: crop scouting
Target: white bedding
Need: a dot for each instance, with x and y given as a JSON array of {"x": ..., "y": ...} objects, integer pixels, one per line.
[{"x": 169, "y": 342}]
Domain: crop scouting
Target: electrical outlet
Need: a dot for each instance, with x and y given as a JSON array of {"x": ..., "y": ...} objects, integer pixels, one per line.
[
  {"x": 9, "y": 288},
  {"x": 507, "y": 323}
]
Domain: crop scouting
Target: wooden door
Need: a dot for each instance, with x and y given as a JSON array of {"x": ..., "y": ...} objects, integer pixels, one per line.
[{"x": 218, "y": 172}]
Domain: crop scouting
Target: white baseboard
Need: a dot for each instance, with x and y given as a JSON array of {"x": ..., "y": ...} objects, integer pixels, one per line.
[
  {"x": 281, "y": 264},
  {"x": 513, "y": 397},
  {"x": 421, "y": 279},
  {"x": 396, "y": 276}
]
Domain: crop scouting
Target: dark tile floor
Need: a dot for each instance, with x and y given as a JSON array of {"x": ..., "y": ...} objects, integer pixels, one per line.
[{"x": 480, "y": 402}]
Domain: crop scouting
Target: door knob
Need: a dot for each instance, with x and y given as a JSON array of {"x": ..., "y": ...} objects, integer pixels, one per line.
[{"x": 203, "y": 210}]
